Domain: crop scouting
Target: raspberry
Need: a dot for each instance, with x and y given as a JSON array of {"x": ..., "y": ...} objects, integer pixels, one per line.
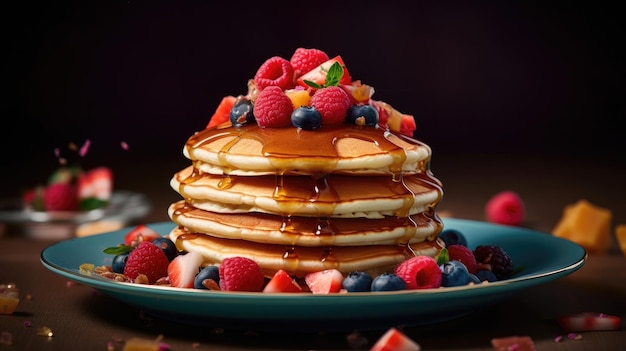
[
  {"x": 464, "y": 255},
  {"x": 61, "y": 197},
  {"x": 147, "y": 259},
  {"x": 304, "y": 60},
  {"x": 332, "y": 103},
  {"x": 241, "y": 274},
  {"x": 273, "y": 108},
  {"x": 275, "y": 71},
  {"x": 505, "y": 208},
  {"x": 420, "y": 272},
  {"x": 494, "y": 259}
]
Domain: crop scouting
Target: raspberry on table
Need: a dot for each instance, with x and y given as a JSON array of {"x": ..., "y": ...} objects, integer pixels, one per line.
[
  {"x": 275, "y": 71},
  {"x": 332, "y": 103},
  {"x": 273, "y": 108},
  {"x": 304, "y": 60}
]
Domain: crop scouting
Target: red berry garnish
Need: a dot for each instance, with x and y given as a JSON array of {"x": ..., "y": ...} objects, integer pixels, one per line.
[
  {"x": 241, "y": 274},
  {"x": 420, "y": 272},
  {"x": 304, "y": 60},
  {"x": 273, "y": 108},
  {"x": 332, "y": 103},
  {"x": 464, "y": 255},
  {"x": 505, "y": 208},
  {"x": 276, "y": 71},
  {"x": 494, "y": 259},
  {"x": 147, "y": 259}
]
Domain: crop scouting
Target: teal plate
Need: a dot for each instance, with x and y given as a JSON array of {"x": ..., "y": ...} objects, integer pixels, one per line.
[{"x": 544, "y": 258}]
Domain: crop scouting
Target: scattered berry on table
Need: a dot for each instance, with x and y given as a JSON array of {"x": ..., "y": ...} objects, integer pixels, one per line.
[
  {"x": 208, "y": 272},
  {"x": 495, "y": 259},
  {"x": 146, "y": 259},
  {"x": 275, "y": 71},
  {"x": 332, "y": 103},
  {"x": 463, "y": 254},
  {"x": 454, "y": 273},
  {"x": 506, "y": 208},
  {"x": 420, "y": 272},
  {"x": 241, "y": 274},
  {"x": 168, "y": 247},
  {"x": 357, "y": 282},
  {"x": 395, "y": 340},
  {"x": 183, "y": 269},
  {"x": 324, "y": 282},
  {"x": 452, "y": 237},
  {"x": 273, "y": 108},
  {"x": 363, "y": 115},
  {"x": 388, "y": 282},
  {"x": 306, "y": 117}
]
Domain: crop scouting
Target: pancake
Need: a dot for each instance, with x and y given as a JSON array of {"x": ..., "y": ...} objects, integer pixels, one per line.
[
  {"x": 298, "y": 261},
  {"x": 306, "y": 231},
  {"x": 331, "y": 195},
  {"x": 252, "y": 150}
]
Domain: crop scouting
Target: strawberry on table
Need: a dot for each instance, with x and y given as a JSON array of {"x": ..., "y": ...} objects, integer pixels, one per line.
[
  {"x": 395, "y": 340},
  {"x": 282, "y": 282},
  {"x": 324, "y": 282}
]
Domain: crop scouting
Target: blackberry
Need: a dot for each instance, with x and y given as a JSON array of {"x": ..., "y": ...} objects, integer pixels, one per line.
[{"x": 496, "y": 258}]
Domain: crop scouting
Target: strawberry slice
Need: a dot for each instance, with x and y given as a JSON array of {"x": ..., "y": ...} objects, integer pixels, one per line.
[
  {"x": 324, "y": 282},
  {"x": 140, "y": 233},
  {"x": 282, "y": 282},
  {"x": 395, "y": 340},
  {"x": 95, "y": 188},
  {"x": 407, "y": 125},
  {"x": 222, "y": 112},
  {"x": 318, "y": 74},
  {"x": 183, "y": 269}
]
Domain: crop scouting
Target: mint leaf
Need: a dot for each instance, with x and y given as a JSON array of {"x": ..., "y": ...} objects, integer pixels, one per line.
[
  {"x": 118, "y": 250},
  {"x": 312, "y": 84},
  {"x": 334, "y": 74},
  {"x": 443, "y": 257}
]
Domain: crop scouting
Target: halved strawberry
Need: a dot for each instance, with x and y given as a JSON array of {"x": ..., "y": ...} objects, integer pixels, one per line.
[
  {"x": 222, "y": 112},
  {"x": 183, "y": 269},
  {"x": 140, "y": 233},
  {"x": 60, "y": 197},
  {"x": 95, "y": 188},
  {"x": 395, "y": 340},
  {"x": 324, "y": 282},
  {"x": 282, "y": 282},
  {"x": 318, "y": 74}
]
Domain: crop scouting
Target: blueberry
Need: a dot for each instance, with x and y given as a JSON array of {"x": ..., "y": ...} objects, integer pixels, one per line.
[
  {"x": 168, "y": 247},
  {"x": 474, "y": 279},
  {"x": 119, "y": 263},
  {"x": 388, "y": 282},
  {"x": 454, "y": 273},
  {"x": 208, "y": 272},
  {"x": 242, "y": 112},
  {"x": 453, "y": 237},
  {"x": 362, "y": 115},
  {"x": 487, "y": 275},
  {"x": 306, "y": 117},
  {"x": 357, "y": 282}
]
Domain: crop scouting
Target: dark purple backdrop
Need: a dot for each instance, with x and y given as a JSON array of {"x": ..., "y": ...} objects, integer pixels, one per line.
[{"x": 479, "y": 77}]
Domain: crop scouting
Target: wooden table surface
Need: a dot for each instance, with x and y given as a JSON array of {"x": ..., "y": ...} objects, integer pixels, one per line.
[{"x": 83, "y": 319}]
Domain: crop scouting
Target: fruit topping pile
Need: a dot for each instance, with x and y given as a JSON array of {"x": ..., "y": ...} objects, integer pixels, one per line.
[
  {"x": 308, "y": 91},
  {"x": 145, "y": 257}
]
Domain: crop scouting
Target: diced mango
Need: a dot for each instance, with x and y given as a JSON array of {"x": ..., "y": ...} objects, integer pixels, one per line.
[
  {"x": 586, "y": 224},
  {"x": 620, "y": 235},
  {"x": 141, "y": 344}
]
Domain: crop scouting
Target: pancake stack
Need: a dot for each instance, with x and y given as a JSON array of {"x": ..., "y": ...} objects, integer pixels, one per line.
[{"x": 348, "y": 197}]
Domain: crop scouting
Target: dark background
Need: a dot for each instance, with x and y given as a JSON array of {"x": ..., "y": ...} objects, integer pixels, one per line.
[{"x": 480, "y": 77}]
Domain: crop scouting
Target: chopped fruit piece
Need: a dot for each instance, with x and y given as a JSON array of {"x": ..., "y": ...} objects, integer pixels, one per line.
[
  {"x": 588, "y": 321},
  {"x": 282, "y": 282},
  {"x": 222, "y": 113},
  {"x": 407, "y": 125},
  {"x": 140, "y": 233},
  {"x": 183, "y": 269},
  {"x": 317, "y": 76},
  {"x": 585, "y": 224},
  {"x": 420, "y": 272},
  {"x": 95, "y": 188},
  {"x": 241, "y": 274},
  {"x": 359, "y": 93},
  {"x": 324, "y": 282},
  {"x": 298, "y": 97},
  {"x": 9, "y": 298},
  {"x": 517, "y": 343},
  {"x": 141, "y": 344},
  {"x": 506, "y": 208},
  {"x": 395, "y": 340},
  {"x": 620, "y": 235}
]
